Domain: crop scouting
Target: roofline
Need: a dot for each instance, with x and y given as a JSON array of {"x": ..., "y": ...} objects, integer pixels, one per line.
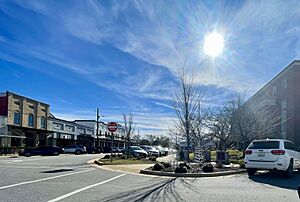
[
  {"x": 71, "y": 122},
  {"x": 288, "y": 67},
  {"x": 86, "y": 120},
  {"x": 8, "y": 92}
]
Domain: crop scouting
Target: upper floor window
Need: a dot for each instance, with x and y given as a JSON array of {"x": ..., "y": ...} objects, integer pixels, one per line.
[
  {"x": 30, "y": 120},
  {"x": 274, "y": 90},
  {"x": 284, "y": 83},
  {"x": 17, "y": 118},
  {"x": 43, "y": 122}
]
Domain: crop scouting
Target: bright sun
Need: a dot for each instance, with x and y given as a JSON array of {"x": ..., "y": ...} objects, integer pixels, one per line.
[{"x": 213, "y": 44}]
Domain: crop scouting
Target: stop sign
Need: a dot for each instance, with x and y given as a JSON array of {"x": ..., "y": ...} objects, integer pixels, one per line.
[{"x": 112, "y": 127}]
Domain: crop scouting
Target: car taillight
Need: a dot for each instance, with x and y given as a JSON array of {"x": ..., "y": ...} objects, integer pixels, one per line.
[
  {"x": 278, "y": 152},
  {"x": 248, "y": 152}
]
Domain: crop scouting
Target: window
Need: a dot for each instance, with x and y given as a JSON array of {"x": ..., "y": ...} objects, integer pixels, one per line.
[
  {"x": 289, "y": 145},
  {"x": 30, "y": 120},
  {"x": 31, "y": 106},
  {"x": 274, "y": 90},
  {"x": 17, "y": 102},
  {"x": 43, "y": 122},
  {"x": 264, "y": 145},
  {"x": 17, "y": 118},
  {"x": 284, "y": 83},
  {"x": 283, "y": 118}
]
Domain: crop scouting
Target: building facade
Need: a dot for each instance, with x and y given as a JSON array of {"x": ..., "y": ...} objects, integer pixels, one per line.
[
  {"x": 25, "y": 122},
  {"x": 105, "y": 139},
  {"x": 69, "y": 133},
  {"x": 281, "y": 98},
  {"x": 26, "y": 119}
]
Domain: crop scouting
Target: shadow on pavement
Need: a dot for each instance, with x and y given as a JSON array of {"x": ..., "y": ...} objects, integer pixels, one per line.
[
  {"x": 57, "y": 170},
  {"x": 278, "y": 180}
]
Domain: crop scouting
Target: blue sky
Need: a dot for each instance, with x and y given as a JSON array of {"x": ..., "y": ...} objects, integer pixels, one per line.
[{"x": 122, "y": 56}]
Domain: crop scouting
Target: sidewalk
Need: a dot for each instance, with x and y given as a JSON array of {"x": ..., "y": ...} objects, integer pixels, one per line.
[
  {"x": 132, "y": 168},
  {"x": 9, "y": 156},
  {"x": 167, "y": 159},
  {"x": 135, "y": 168}
]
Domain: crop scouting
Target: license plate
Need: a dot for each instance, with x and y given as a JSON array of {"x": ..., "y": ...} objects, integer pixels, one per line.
[{"x": 261, "y": 154}]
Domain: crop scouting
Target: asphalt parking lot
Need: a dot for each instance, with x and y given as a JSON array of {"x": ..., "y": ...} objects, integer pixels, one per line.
[{"x": 69, "y": 178}]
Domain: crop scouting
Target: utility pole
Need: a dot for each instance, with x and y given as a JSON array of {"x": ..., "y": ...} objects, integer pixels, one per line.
[
  {"x": 97, "y": 131},
  {"x": 138, "y": 139}
]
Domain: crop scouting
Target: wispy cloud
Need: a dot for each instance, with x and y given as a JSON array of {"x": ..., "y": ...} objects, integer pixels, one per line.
[{"x": 134, "y": 48}]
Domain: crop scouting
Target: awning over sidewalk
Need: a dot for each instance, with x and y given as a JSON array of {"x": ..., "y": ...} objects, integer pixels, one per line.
[{"x": 13, "y": 136}]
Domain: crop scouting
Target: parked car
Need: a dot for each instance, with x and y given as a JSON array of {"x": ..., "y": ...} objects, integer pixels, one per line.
[
  {"x": 117, "y": 150},
  {"x": 93, "y": 150},
  {"x": 162, "y": 151},
  {"x": 152, "y": 151},
  {"x": 75, "y": 149},
  {"x": 41, "y": 151},
  {"x": 272, "y": 154},
  {"x": 137, "y": 152}
]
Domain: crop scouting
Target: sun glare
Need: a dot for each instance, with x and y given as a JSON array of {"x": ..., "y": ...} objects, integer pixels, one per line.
[{"x": 213, "y": 44}]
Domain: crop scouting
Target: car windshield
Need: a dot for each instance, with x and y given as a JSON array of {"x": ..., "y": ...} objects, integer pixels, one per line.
[
  {"x": 264, "y": 145},
  {"x": 136, "y": 148}
]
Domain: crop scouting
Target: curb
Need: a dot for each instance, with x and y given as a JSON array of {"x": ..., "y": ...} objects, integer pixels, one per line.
[
  {"x": 101, "y": 166},
  {"x": 99, "y": 163},
  {"x": 171, "y": 174}
]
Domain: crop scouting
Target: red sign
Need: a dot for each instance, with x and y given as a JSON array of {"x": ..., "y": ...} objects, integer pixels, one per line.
[{"x": 112, "y": 127}]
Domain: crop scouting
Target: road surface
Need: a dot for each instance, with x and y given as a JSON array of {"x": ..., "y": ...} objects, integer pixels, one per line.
[{"x": 69, "y": 178}]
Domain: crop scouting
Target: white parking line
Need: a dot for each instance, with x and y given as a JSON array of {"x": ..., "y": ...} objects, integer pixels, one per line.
[
  {"x": 44, "y": 179},
  {"x": 21, "y": 167},
  {"x": 35, "y": 159},
  {"x": 84, "y": 188}
]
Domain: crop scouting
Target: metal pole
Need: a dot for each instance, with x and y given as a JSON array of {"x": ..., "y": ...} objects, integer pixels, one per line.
[
  {"x": 111, "y": 146},
  {"x": 97, "y": 131}
]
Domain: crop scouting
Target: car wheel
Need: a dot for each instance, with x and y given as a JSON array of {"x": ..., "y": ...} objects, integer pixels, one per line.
[
  {"x": 251, "y": 171},
  {"x": 27, "y": 154},
  {"x": 290, "y": 170},
  {"x": 77, "y": 152}
]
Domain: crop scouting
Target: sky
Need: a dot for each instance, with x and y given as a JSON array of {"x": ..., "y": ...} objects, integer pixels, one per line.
[{"x": 124, "y": 56}]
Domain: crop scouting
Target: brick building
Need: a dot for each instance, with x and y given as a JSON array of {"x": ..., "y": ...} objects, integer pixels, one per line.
[
  {"x": 282, "y": 95},
  {"x": 27, "y": 120}
]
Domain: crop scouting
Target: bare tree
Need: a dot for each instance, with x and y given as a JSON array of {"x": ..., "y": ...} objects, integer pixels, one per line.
[
  {"x": 129, "y": 128},
  {"x": 186, "y": 99},
  {"x": 220, "y": 124},
  {"x": 198, "y": 126},
  {"x": 251, "y": 122}
]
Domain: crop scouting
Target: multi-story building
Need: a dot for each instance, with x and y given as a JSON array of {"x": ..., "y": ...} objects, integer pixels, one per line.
[
  {"x": 69, "y": 133},
  {"x": 27, "y": 120},
  {"x": 105, "y": 138},
  {"x": 281, "y": 96}
]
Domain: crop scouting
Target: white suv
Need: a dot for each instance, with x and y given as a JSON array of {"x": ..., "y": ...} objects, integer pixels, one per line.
[
  {"x": 272, "y": 154},
  {"x": 75, "y": 149}
]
